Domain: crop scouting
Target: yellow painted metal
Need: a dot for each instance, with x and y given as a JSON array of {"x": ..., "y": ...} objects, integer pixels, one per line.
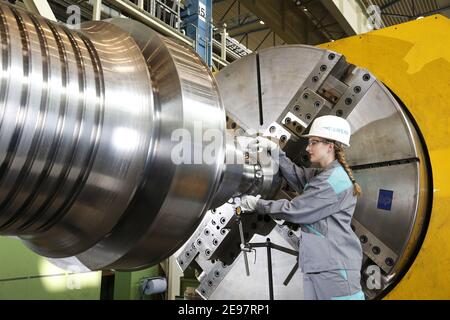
[{"x": 413, "y": 60}]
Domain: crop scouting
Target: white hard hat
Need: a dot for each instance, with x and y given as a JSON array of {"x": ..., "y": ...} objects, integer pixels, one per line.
[{"x": 332, "y": 128}]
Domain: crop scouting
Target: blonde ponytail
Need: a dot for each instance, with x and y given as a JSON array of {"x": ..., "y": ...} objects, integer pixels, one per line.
[{"x": 340, "y": 156}]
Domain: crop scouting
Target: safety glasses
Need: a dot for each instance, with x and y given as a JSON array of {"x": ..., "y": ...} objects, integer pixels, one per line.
[{"x": 313, "y": 142}]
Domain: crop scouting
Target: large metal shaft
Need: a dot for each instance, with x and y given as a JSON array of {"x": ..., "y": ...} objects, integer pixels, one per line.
[{"x": 90, "y": 119}]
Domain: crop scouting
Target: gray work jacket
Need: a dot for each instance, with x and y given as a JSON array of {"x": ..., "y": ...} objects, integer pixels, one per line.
[{"x": 324, "y": 211}]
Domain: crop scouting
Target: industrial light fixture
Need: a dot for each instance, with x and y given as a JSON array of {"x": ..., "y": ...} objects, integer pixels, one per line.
[{"x": 261, "y": 22}]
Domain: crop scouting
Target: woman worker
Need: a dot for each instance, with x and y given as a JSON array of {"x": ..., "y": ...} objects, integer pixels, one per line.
[{"x": 330, "y": 254}]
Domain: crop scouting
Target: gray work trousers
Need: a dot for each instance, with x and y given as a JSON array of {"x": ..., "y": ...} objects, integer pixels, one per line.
[{"x": 333, "y": 285}]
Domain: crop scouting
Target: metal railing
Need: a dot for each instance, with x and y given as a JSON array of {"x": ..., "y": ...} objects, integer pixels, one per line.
[
  {"x": 167, "y": 11},
  {"x": 162, "y": 16}
]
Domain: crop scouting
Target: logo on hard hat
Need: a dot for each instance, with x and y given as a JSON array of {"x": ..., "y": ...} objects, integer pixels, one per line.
[{"x": 338, "y": 130}]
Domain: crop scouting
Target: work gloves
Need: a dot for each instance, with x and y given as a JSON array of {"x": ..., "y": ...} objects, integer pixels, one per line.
[
  {"x": 267, "y": 143},
  {"x": 248, "y": 203}
]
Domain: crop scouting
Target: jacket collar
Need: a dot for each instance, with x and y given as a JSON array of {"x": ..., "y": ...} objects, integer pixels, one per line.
[{"x": 332, "y": 165}]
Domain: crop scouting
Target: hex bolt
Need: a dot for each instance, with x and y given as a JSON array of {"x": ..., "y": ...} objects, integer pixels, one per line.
[
  {"x": 305, "y": 96},
  {"x": 308, "y": 116},
  {"x": 363, "y": 239},
  {"x": 199, "y": 242},
  {"x": 348, "y": 101},
  {"x": 215, "y": 242},
  {"x": 323, "y": 68},
  {"x": 207, "y": 252},
  {"x": 287, "y": 120},
  {"x": 216, "y": 273},
  {"x": 206, "y": 232},
  {"x": 222, "y": 220},
  {"x": 187, "y": 254},
  {"x": 357, "y": 89},
  {"x": 315, "y": 78},
  {"x": 298, "y": 129},
  {"x": 317, "y": 104},
  {"x": 331, "y": 56},
  {"x": 283, "y": 138},
  {"x": 223, "y": 231},
  {"x": 366, "y": 77},
  {"x": 339, "y": 113},
  {"x": 297, "y": 108},
  {"x": 272, "y": 129}
]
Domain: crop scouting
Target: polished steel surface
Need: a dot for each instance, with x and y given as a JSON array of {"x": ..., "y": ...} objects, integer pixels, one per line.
[
  {"x": 174, "y": 196},
  {"x": 73, "y": 138},
  {"x": 243, "y": 104},
  {"x": 381, "y": 129},
  {"x": 92, "y": 122},
  {"x": 237, "y": 176},
  {"x": 392, "y": 226}
]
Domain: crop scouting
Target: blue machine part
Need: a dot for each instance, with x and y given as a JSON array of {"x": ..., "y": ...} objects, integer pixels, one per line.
[
  {"x": 197, "y": 22},
  {"x": 385, "y": 199}
]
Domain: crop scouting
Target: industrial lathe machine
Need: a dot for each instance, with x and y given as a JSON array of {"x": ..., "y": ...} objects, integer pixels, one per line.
[{"x": 118, "y": 148}]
